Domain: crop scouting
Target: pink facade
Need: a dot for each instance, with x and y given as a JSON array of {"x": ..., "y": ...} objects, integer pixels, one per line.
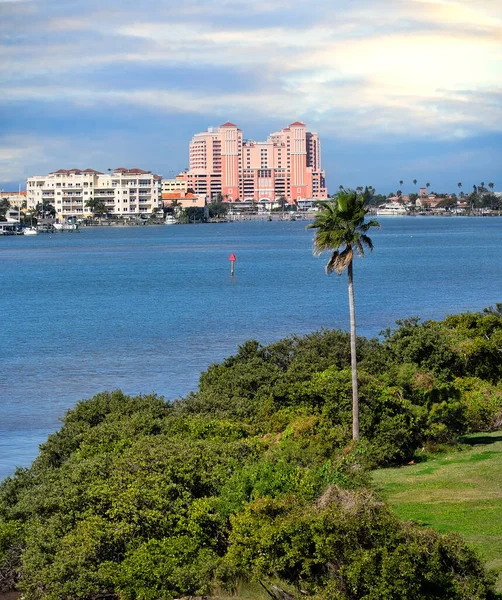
[{"x": 288, "y": 164}]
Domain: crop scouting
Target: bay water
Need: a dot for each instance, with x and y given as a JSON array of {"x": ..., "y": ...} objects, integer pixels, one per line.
[{"x": 146, "y": 309}]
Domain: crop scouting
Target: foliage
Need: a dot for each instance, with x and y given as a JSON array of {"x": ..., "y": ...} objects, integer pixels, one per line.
[
  {"x": 349, "y": 545},
  {"x": 191, "y": 214},
  {"x": 45, "y": 209},
  {"x": 255, "y": 473},
  {"x": 96, "y": 206},
  {"x": 217, "y": 209},
  {"x": 4, "y": 207},
  {"x": 341, "y": 224}
]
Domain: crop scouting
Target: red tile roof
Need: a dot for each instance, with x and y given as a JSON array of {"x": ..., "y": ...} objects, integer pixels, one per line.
[
  {"x": 228, "y": 124},
  {"x": 297, "y": 124}
]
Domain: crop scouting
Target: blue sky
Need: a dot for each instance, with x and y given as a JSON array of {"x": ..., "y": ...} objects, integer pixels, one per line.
[{"x": 397, "y": 89}]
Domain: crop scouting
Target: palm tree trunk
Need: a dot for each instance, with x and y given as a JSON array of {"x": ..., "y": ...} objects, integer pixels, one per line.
[{"x": 353, "y": 357}]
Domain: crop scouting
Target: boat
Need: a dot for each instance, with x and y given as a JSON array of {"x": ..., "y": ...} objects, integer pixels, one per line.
[
  {"x": 65, "y": 226},
  {"x": 391, "y": 210},
  {"x": 30, "y": 231},
  {"x": 170, "y": 220}
]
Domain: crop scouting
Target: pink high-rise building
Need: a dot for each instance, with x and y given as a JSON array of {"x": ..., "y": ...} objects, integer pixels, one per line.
[{"x": 288, "y": 164}]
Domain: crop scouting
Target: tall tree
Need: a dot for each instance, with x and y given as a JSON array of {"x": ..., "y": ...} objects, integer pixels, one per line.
[
  {"x": 401, "y": 183},
  {"x": 491, "y": 185},
  {"x": 427, "y": 185},
  {"x": 414, "y": 182},
  {"x": 341, "y": 229}
]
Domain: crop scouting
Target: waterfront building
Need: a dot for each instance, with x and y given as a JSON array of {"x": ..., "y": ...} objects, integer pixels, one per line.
[
  {"x": 178, "y": 185},
  {"x": 124, "y": 192},
  {"x": 183, "y": 200},
  {"x": 224, "y": 164},
  {"x": 15, "y": 199}
]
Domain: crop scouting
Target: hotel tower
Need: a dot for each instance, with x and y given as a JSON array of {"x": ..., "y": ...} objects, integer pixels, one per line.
[{"x": 288, "y": 164}]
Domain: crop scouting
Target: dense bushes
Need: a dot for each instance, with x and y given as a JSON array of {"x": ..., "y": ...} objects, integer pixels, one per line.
[
  {"x": 349, "y": 545},
  {"x": 254, "y": 475}
]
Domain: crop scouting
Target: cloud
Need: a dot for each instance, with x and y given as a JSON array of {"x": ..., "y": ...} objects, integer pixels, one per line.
[
  {"x": 18, "y": 150},
  {"x": 385, "y": 71}
]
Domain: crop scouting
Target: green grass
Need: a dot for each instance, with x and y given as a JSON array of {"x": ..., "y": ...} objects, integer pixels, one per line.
[{"x": 458, "y": 492}]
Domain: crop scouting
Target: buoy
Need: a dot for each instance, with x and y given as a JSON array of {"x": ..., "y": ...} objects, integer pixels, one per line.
[{"x": 232, "y": 260}]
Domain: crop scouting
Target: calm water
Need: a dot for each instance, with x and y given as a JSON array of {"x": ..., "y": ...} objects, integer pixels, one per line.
[{"x": 146, "y": 309}]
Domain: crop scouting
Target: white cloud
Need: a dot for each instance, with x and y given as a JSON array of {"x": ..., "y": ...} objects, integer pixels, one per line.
[
  {"x": 18, "y": 150},
  {"x": 394, "y": 66}
]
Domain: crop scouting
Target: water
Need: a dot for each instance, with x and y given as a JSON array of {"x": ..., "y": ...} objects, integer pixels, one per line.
[{"x": 147, "y": 308}]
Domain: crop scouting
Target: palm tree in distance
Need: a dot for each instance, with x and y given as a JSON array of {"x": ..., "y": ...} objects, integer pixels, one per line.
[
  {"x": 414, "y": 182},
  {"x": 427, "y": 185},
  {"x": 401, "y": 183},
  {"x": 341, "y": 228},
  {"x": 491, "y": 185}
]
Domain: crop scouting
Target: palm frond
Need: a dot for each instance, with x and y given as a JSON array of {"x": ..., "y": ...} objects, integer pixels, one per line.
[
  {"x": 341, "y": 226},
  {"x": 339, "y": 261},
  {"x": 366, "y": 241}
]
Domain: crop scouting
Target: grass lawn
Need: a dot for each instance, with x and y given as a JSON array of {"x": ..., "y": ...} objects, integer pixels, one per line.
[{"x": 460, "y": 492}]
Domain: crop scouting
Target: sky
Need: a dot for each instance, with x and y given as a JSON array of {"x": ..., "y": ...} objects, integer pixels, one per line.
[{"x": 396, "y": 89}]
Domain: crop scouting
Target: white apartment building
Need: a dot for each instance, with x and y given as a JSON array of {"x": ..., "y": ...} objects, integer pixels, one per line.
[{"x": 124, "y": 192}]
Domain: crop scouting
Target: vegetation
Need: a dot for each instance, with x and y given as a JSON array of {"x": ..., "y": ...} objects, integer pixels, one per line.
[
  {"x": 4, "y": 207},
  {"x": 456, "y": 491},
  {"x": 341, "y": 228},
  {"x": 217, "y": 209},
  {"x": 254, "y": 477},
  {"x": 97, "y": 207}
]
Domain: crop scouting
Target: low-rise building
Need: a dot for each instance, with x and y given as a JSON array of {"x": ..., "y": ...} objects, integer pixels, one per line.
[
  {"x": 179, "y": 184},
  {"x": 182, "y": 200},
  {"x": 15, "y": 199},
  {"x": 124, "y": 192}
]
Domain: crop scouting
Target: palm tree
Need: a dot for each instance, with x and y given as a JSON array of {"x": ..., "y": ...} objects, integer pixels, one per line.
[
  {"x": 401, "y": 183},
  {"x": 175, "y": 205},
  {"x": 341, "y": 229},
  {"x": 414, "y": 182},
  {"x": 427, "y": 185},
  {"x": 491, "y": 185}
]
